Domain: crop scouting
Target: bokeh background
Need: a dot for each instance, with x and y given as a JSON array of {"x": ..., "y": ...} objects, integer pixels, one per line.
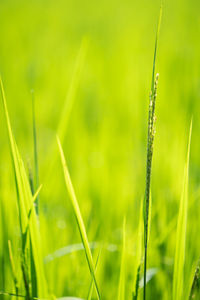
[{"x": 105, "y": 134}]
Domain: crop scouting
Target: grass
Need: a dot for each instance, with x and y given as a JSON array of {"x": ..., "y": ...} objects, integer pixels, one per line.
[
  {"x": 31, "y": 260},
  {"x": 150, "y": 143},
  {"x": 79, "y": 218},
  {"x": 93, "y": 93}
]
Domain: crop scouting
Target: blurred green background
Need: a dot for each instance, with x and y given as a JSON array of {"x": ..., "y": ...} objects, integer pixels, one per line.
[{"x": 105, "y": 141}]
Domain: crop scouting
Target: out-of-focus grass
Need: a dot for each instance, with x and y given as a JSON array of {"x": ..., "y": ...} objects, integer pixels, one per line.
[{"x": 105, "y": 141}]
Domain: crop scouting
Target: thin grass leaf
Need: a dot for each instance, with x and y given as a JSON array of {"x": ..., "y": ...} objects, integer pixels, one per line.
[
  {"x": 78, "y": 216},
  {"x": 121, "y": 287},
  {"x": 179, "y": 260},
  {"x": 150, "y": 141}
]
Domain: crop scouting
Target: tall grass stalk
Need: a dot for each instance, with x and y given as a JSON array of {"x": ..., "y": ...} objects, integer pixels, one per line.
[
  {"x": 150, "y": 142},
  {"x": 151, "y": 133}
]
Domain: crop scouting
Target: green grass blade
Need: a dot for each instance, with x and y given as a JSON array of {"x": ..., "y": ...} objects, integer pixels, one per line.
[
  {"x": 78, "y": 216},
  {"x": 179, "y": 260},
  {"x": 121, "y": 287},
  {"x": 150, "y": 141}
]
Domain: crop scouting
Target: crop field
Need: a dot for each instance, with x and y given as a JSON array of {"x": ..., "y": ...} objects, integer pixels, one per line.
[{"x": 99, "y": 150}]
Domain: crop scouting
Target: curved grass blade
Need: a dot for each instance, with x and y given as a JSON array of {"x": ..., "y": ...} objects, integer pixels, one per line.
[
  {"x": 179, "y": 260},
  {"x": 78, "y": 216}
]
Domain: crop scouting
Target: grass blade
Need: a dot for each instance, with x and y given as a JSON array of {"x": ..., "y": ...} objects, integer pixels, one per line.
[
  {"x": 78, "y": 216},
  {"x": 179, "y": 261},
  {"x": 150, "y": 141}
]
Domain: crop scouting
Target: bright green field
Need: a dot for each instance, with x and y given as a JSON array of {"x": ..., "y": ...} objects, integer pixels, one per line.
[{"x": 104, "y": 136}]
